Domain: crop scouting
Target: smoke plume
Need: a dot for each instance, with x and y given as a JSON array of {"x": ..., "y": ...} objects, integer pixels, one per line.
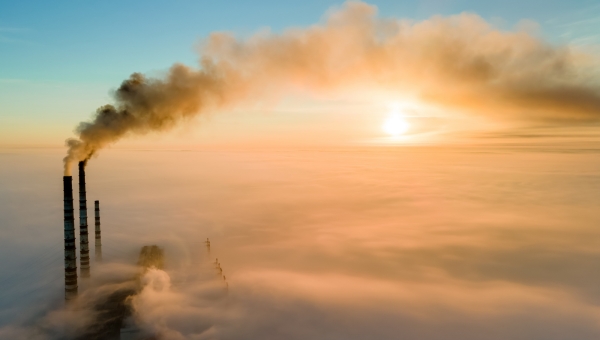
[{"x": 458, "y": 61}]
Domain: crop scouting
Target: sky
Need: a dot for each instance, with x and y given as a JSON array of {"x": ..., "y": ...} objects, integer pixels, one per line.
[
  {"x": 419, "y": 170},
  {"x": 72, "y": 55}
]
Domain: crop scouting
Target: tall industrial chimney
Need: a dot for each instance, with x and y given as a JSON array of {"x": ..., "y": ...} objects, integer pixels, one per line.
[
  {"x": 70, "y": 255},
  {"x": 98, "y": 239},
  {"x": 84, "y": 250}
]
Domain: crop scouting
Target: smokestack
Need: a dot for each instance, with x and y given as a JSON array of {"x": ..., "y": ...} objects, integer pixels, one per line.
[
  {"x": 70, "y": 256},
  {"x": 98, "y": 238},
  {"x": 84, "y": 250}
]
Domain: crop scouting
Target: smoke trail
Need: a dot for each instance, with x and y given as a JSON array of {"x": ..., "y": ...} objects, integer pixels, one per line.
[
  {"x": 459, "y": 61},
  {"x": 143, "y": 105}
]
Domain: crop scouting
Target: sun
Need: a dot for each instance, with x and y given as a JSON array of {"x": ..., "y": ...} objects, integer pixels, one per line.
[{"x": 395, "y": 125}]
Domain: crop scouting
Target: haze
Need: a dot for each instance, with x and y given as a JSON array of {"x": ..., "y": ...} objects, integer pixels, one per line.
[{"x": 420, "y": 171}]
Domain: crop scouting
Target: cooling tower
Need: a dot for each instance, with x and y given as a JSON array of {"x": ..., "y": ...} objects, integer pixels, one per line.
[
  {"x": 70, "y": 256},
  {"x": 84, "y": 250}
]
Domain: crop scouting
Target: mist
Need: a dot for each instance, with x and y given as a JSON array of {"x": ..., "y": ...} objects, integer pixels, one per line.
[
  {"x": 409, "y": 236},
  {"x": 374, "y": 242}
]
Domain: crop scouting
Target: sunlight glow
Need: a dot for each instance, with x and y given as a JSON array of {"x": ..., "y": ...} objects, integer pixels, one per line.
[{"x": 395, "y": 124}]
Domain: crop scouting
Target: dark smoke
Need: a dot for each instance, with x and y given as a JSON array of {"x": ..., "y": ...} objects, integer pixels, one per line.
[{"x": 143, "y": 105}]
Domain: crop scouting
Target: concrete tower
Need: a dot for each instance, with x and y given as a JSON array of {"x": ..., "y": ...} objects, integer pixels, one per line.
[
  {"x": 84, "y": 250},
  {"x": 70, "y": 252},
  {"x": 98, "y": 245}
]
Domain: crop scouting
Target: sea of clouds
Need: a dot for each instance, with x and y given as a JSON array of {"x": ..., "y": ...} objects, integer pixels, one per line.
[{"x": 347, "y": 243}]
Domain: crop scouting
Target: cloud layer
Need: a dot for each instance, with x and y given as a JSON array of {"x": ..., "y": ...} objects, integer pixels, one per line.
[{"x": 353, "y": 243}]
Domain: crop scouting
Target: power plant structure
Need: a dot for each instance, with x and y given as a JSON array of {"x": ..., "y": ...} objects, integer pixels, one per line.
[
  {"x": 98, "y": 244},
  {"x": 84, "y": 251},
  {"x": 111, "y": 310},
  {"x": 70, "y": 255},
  {"x": 71, "y": 277},
  {"x": 71, "y": 286}
]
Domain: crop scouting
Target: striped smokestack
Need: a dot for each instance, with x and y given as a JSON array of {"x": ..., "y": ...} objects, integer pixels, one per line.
[
  {"x": 84, "y": 250},
  {"x": 70, "y": 255},
  {"x": 98, "y": 238}
]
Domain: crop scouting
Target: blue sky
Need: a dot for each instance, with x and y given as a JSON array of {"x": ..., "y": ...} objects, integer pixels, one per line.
[
  {"x": 73, "y": 41},
  {"x": 71, "y": 53}
]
